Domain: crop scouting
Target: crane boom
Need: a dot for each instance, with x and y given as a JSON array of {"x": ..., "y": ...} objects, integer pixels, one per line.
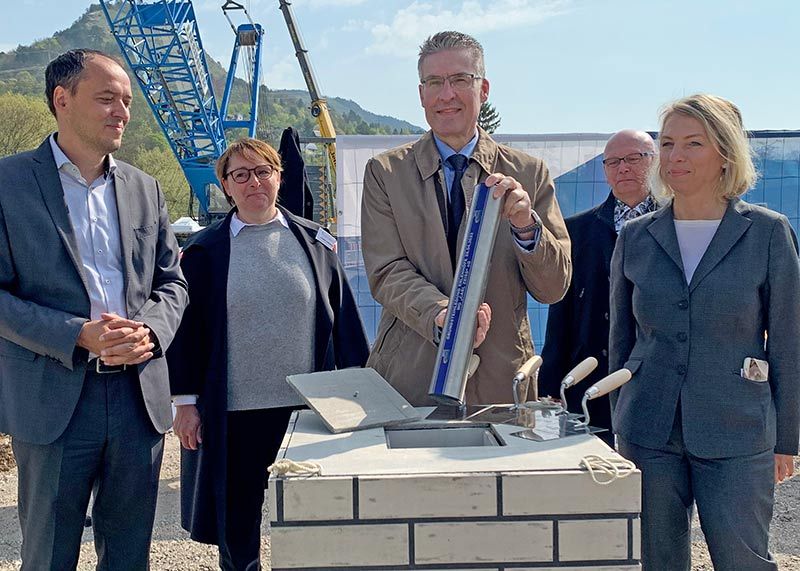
[
  {"x": 161, "y": 43},
  {"x": 319, "y": 106}
]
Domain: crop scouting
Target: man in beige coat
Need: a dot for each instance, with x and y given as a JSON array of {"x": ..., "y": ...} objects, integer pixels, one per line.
[{"x": 404, "y": 226}]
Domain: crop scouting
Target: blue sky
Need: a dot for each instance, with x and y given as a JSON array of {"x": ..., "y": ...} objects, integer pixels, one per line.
[{"x": 555, "y": 66}]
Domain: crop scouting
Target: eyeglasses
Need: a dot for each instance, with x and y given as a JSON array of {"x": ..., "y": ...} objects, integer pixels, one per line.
[
  {"x": 242, "y": 175},
  {"x": 632, "y": 159},
  {"x": 457, "y": 81}
]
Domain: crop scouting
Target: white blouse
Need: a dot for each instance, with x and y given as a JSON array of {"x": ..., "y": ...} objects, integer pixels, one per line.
[{"x": 694, "y": 236}]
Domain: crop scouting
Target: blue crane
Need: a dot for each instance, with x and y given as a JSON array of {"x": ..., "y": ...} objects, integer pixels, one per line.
[{"x": 161, "y": 43}]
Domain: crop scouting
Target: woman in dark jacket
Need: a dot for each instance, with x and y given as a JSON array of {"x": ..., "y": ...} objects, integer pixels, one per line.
[{"x": 268, "y": 298}]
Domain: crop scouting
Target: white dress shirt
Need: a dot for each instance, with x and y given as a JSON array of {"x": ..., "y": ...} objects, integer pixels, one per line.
[{"x": 92, "y": 209}]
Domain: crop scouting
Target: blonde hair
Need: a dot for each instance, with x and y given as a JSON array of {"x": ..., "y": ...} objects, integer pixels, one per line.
[
  {"x": 722, "y": 122},
  {"x": 252, "y": 150}
]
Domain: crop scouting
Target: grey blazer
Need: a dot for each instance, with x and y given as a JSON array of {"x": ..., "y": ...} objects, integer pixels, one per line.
[
  {"x": 44, "y": 300},
  {"x": 686, "y": 342}
]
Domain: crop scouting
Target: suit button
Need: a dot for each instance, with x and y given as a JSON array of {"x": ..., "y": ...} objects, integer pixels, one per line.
[
  {"x": 606, "y": 316},
  {"x": 683, "y": 304},
  {"x": 682, "y": 337},
  {"x": 681, "y": 369},
  {"x": 604, "y": 353}
]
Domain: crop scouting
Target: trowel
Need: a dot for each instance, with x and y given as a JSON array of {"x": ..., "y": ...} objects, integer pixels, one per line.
[{"x": 550, "y": 426}]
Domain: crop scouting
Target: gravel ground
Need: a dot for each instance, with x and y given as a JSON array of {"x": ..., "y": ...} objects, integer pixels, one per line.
[{"x": 173, "y": 551}]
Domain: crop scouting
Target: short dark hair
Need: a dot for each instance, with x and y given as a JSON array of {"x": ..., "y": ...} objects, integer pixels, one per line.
[{"x": 65, "y": 71}]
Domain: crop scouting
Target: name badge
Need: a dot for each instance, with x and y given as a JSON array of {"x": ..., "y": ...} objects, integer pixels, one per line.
[{"x": 325, "y": 238}]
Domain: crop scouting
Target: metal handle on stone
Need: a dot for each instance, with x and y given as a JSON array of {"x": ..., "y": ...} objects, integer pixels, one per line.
[
  {"x": 529, "y": 368},
  {"x": 608, "y": 384},
  {"x": 579, "y": 372},
  {"x": 600, "y": 388},
  {"x": 575, "y": 376},
  {"x": 474, "y": 361}
]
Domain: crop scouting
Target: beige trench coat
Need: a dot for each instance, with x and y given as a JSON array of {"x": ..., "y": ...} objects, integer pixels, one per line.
[{"x": 410, "y": 273}]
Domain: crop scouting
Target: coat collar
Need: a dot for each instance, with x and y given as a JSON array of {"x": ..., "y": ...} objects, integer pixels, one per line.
[
  {"x": 429, "y": 161},
  {"x": 213, "y": 234},
  {"x": 733, "y": 225},
  {"x": 605, "y": 213}
]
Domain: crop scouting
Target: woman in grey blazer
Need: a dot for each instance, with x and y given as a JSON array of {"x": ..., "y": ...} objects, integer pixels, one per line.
[{"x": 696, "y": 288}]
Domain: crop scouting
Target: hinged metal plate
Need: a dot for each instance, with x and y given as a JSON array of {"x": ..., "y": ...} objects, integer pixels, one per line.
[{"x": 354, "y": 399}]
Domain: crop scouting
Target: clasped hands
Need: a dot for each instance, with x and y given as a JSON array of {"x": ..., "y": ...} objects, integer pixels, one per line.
[{"x": 117, "y": 340}]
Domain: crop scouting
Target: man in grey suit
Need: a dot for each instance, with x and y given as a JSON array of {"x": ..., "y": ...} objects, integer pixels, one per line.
[{"x": 90, "y": 297}]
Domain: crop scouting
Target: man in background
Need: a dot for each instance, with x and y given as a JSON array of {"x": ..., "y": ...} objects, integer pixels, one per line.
[{"x": 577, "y": 326}]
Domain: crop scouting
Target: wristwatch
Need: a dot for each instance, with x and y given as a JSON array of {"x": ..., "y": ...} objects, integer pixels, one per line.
[{"x": 536, "y": 224}]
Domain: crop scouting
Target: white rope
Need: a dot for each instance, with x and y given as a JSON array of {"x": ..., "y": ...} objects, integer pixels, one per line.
[
  {"x": 611, "y": 467},
  {"x": 287, "y": 467}
]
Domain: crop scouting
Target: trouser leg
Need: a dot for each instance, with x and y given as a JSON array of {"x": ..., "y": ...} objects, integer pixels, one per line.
[
  {"x": 734, "y": 500},
  {"x": 126, "y": 488},
  {"x": 55, "y": 482},
  {"x": 666, "y": 503},
  {"x": 253, "y": 441}
]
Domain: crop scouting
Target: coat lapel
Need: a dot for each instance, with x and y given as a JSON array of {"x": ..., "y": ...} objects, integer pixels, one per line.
[
  {"x": 662, "y": 228},
  {"x": 46, "y": 175},
  {"x": 125, "y": 231},
  {"x": 731, "y": 228},
  {"x": 605, "y": 214}
]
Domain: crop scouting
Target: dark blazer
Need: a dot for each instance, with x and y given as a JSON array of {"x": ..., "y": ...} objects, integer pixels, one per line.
[
  {"x": 686, "y": 342},
  {"x": 577, "y": 326},
  {"x": 44, "y": 300},
  {"x": 198, "y": 356}
]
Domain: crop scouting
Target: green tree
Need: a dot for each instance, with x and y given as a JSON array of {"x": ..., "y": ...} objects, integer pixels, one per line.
[
  {"x": 24, "y": 123},
  {"x": 488, "y": 118},
  {"x": 162, "y": 165}
]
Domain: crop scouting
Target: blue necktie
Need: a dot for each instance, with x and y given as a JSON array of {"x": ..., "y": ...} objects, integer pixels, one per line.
[{"x": 455, "y": 210}]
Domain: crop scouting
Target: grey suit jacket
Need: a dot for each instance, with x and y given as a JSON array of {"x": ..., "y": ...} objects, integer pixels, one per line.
[
  {"x": 686, "y": 342},
  {"x": 44, "y": 300}
]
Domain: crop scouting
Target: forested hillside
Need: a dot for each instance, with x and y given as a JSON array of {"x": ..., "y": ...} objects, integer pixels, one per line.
[{"x": 25, "y": 119}]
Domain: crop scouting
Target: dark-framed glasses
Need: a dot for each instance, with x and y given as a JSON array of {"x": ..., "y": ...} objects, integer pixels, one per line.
[
  {"x": 457, "y": 81},
  {"x": 242, "y": 175},
  {"x": 632, "y": 159}
]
